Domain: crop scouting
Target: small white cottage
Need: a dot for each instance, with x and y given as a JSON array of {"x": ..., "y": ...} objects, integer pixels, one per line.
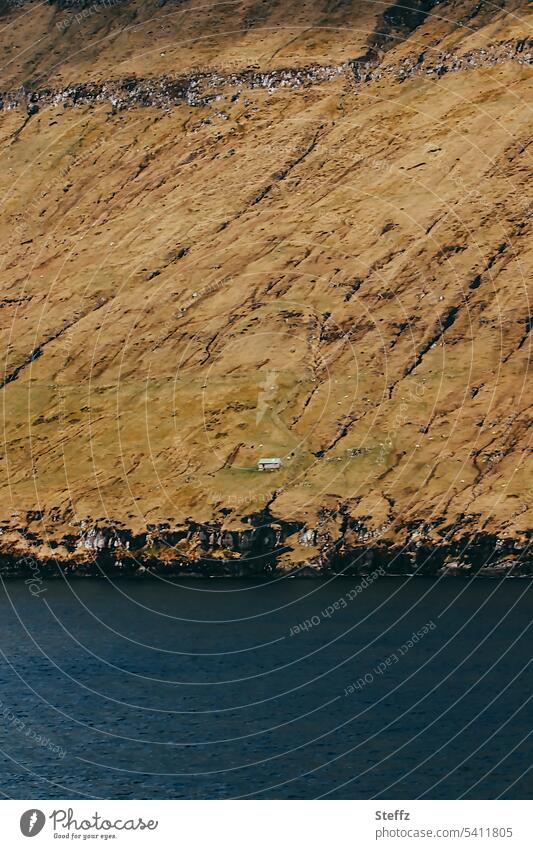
[{"x": 269, "y": 464}]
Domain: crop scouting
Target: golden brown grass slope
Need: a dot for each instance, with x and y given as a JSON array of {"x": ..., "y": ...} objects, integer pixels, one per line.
[{"x": 335, "y": 273}]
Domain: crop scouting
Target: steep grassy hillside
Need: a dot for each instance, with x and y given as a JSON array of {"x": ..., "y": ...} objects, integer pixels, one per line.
[{"x": 234, "y": 230}]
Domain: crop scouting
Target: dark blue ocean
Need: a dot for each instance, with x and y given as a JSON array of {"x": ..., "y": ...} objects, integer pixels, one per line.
[{"x": 293, "y": 689}]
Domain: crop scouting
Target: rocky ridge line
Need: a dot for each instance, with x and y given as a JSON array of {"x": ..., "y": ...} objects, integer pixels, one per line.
[{"x": 203, "y": 88}]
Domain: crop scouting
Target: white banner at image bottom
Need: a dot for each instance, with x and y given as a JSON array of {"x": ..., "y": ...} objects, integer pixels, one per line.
[{"x": 269, "y": 824}]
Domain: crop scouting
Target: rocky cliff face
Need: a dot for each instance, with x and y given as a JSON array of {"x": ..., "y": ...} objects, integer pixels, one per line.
[{"x": 264, "y": 229}]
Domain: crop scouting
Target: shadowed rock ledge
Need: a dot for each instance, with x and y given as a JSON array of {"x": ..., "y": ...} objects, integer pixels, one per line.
[{"x": 261, "y": 546}]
